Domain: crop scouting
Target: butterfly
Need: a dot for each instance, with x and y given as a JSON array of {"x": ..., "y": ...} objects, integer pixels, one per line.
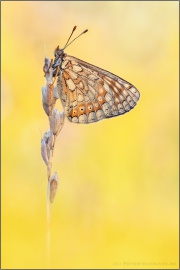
[{"x": 89, "y": 93}]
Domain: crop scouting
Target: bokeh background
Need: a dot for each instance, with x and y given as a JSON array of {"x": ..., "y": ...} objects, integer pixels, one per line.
[{"x": 117, "y": 203}]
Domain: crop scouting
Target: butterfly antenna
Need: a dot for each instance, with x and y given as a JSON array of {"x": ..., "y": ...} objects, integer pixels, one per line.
[
  {"x": 75, "y": 38},
  {"x": 74, "y": 28}
]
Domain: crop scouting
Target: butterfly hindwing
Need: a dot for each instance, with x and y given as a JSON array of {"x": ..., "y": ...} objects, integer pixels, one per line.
[{"x": 89, "y": 94}]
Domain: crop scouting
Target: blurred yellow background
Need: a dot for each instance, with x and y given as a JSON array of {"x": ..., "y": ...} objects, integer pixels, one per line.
[{"x": 117, "y": 202}]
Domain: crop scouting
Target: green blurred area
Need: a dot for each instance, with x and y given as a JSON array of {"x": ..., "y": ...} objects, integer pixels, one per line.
[{"x": 117, "y": 203}]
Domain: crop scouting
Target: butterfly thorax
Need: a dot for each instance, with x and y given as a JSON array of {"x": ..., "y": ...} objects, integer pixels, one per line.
[{"x": 58, "y": 54}]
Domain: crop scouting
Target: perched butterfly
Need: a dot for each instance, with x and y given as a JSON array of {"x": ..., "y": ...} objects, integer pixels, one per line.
[{"x": 89, "y": 93}]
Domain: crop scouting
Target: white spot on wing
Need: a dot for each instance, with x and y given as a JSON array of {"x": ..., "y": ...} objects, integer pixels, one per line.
[
  {"x": 80, "y": 85},
  {"x": 92, "y": 117},
  {"x": 127, "y": 85},
  {"x": 83, "y": 118},
  {"x": 80, "y": 97},
  {"x": 72, "y": 74},
  {"x": 121, "y": 98},
  {"x": 106, "y": 108},
  {"x": 70, "y": 85},
  {"x": 106, "y": 87},
  {"x": 75, "y": 119},
  {"x": 108, "y": 98},
  {"x": 86, "y": 98},
  {"x": 100, "y": 115},
  {"x": 117, "y": 100},
  {"x": 77, "y": 68},
  {"x": 75, "y": 103},
  {"x": 92, "y": 77}
]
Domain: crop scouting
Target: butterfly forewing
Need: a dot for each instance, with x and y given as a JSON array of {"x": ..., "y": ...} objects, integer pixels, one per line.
[{"x": 89, "y": 93}]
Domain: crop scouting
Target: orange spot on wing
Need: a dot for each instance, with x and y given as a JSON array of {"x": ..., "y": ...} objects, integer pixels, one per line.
[
  {"x": 90, "y": 107},
  {"x": 66, "y": 75},
  {"x": 81, "y": 109},
  {"x": 77, "y": 81},
  {"x": 100, "y": 99},
  {"x": 73, "y": 112},
  {"x": 101, "y": 82}
]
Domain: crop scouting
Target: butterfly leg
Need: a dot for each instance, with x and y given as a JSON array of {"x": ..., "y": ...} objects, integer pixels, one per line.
[{"x": 57, "y": 70}]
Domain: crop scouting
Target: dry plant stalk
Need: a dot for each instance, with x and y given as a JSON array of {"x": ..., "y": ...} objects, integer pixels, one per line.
[{"x": 56, "y": 122}]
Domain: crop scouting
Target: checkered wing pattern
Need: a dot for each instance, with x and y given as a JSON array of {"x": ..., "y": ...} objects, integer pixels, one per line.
[{"x": 89, "y": 94}]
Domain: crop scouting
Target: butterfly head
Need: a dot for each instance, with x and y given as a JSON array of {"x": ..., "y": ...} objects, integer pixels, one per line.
[{"x": 59, "y": 53}]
